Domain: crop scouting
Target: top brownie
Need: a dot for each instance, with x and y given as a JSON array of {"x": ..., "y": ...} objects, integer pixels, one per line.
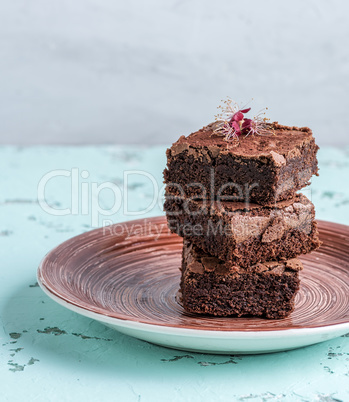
[{"x": 262, "y": 169}]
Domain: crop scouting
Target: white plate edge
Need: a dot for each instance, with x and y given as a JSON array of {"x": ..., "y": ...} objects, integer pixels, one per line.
[{"x": 169, "y": 330}]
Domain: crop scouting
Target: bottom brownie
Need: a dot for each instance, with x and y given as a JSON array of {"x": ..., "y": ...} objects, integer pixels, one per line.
[{"x": 212, "y": 286}]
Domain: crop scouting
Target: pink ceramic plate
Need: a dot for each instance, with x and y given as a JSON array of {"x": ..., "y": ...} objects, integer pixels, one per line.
[{"x": 127, "y": 276}]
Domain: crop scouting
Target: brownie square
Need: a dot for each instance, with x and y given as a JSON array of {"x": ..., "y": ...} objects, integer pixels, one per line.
[
  {"x": 245, "y": 234},
  {"x": 212, "y": 286},
  {"x": 262, "y": 169}
]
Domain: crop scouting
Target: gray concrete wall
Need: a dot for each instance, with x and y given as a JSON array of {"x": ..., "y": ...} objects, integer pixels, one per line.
[{"x": 106, "y": 71}]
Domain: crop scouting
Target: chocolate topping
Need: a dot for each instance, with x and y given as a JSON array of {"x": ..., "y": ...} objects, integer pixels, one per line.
[{"x": 281, "y": 142}]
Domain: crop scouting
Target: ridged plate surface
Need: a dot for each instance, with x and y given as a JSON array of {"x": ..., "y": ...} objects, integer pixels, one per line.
[{"x": 129, "y": 273}]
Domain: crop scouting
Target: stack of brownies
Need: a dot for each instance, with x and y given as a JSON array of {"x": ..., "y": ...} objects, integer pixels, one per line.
[{"x": 243, "y": 224}]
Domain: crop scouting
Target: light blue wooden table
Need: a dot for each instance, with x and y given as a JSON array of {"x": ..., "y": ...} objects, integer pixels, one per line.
[{"x": 51, "y": 354}]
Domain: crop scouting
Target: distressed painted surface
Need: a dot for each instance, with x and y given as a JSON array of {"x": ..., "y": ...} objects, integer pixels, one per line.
[{"x": 48, "y": 352}]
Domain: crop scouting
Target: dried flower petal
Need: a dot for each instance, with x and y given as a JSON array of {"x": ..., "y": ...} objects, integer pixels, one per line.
[
  {"x": 245, "y": 110},
  {"x": 232, "y": 123},
  {"x": 238, "y": 116}
]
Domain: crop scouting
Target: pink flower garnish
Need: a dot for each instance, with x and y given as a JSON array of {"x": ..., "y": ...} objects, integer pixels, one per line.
[
  {"x": 245, "y": 110},
  {"x": 232, "y": 123},
  {"x": 238, "y": 116}
]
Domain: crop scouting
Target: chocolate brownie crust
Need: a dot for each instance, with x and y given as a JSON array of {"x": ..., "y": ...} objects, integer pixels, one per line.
[
  {"x": 260, "y": 169},
  {"x": 211, "y": 286},
  {"x": 245, "y": 234}
]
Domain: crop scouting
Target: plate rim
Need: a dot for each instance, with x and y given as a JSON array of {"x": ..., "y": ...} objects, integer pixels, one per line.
[
  {"x": 174, "y": 330},
  {"x": 166, "y": 327}
]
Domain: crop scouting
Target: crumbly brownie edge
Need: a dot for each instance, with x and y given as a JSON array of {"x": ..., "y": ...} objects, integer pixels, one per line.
[
  {"x": 197, "y": 229},
  {"x": 262, "y": 179},
  {"x": 248, "y": 178},
  {"x": 252, "y": 251},
  {"x": 297, "y": 172},
  {"x": 268, "y": 293},
  {"x": 270, "y": 298}
]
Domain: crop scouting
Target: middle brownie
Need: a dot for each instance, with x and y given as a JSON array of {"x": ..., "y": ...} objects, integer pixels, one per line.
[{"x": 245, "y": 234}]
